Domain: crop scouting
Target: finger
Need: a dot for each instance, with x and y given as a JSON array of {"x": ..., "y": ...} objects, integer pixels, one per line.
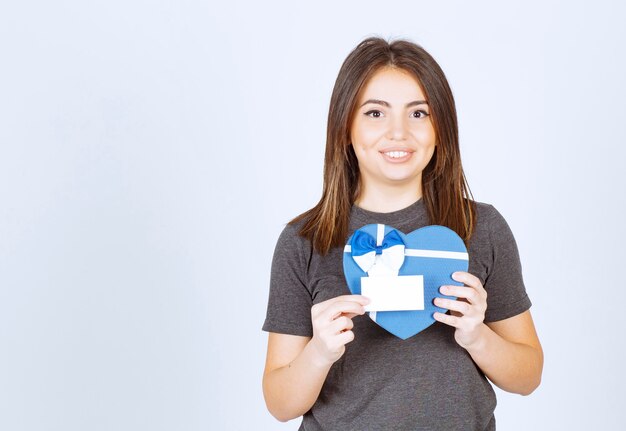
[
  {"x": 469, "y": 279},
  {"x": 322, "y": 307},
  {"x": 345, "y": 337},
  {"x": 447, "y": 319},
  {"x": 468, "y": 293},
  {"x": 336, "y": 309},
  {"x": 462, "y": 307},
  {"x": 340, "y": 324},
  {"x": 356, "y": 298}
]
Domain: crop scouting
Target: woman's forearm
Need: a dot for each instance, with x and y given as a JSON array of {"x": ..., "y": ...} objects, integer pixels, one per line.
[
  {"x": 513, "y": 367},
  {"x": 291, "y": 390}
]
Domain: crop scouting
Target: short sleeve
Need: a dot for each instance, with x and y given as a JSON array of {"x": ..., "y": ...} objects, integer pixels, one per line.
[
  {"x": 289, "y": 303},
  {"x": 506, "y": 293}
]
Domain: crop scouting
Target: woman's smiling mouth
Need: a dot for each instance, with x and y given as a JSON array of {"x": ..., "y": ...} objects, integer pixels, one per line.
[{"x": 396, "y": 156}]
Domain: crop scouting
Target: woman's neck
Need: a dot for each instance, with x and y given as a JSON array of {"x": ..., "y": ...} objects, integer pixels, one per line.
[{"x": 387, "y": 198}]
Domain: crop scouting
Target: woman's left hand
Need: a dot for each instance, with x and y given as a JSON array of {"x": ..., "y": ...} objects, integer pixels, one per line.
[{"x": 467, "y": 312}]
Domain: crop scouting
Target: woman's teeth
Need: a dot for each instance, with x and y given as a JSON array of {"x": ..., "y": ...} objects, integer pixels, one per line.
[{"x": 396, "y": 154}]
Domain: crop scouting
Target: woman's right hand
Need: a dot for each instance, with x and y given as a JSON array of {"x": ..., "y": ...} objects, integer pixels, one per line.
[{"x": 332, "y": 324}]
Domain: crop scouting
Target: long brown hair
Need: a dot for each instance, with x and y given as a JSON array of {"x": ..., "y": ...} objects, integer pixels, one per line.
[{"x": 445, "y": 191}]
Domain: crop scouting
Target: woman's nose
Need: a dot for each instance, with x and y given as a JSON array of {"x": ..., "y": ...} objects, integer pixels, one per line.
[{"x": 397, "y": 129}]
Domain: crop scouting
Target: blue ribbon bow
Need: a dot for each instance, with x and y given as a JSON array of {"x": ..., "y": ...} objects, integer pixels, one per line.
[{"x": 365, "y": 248}]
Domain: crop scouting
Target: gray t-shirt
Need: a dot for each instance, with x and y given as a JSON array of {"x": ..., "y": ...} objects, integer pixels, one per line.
[{"x": 426, "y": 382}]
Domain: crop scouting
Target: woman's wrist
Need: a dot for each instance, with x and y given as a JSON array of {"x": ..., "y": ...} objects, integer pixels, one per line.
[
  {"x": 479, "y": 345},
  {"x": 315, "y": 357}
]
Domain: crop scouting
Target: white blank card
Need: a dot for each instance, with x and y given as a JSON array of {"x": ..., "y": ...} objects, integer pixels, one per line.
[{"x": 393, "y": 292}]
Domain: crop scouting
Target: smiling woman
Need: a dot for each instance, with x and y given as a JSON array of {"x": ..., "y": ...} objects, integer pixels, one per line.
[
  {"x": 392, "y": 157},
  {"x": 393, "y": 139}
]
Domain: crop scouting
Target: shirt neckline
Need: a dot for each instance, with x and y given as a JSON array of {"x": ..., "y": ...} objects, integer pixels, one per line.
[{"x": 398, "y": 216}]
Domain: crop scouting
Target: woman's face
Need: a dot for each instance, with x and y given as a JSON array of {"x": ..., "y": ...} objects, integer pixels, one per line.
[{"x": 392, "y": 133}]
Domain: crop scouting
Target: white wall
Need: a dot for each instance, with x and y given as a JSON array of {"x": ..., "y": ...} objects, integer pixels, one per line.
[{"x": 147, "y": 147}]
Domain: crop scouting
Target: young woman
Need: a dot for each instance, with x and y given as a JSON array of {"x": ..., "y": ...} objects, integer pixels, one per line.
[{"x": 392, "y": 157}]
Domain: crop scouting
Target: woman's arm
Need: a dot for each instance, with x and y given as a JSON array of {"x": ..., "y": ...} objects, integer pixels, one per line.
[
  {"x": 296, "y": 367},
  {"x": 507, "y": 351},
  {"x": 293, "y": 376}
]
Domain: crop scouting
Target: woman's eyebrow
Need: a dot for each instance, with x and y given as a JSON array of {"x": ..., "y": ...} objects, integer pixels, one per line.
[{"x": 382, "y": 102}]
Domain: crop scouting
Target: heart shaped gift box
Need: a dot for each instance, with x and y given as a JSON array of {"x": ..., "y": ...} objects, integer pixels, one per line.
[{"x": 433, "y": 252}]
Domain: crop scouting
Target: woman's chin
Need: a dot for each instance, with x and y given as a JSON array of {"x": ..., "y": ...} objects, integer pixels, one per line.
[{"x": 398, "y": 179}]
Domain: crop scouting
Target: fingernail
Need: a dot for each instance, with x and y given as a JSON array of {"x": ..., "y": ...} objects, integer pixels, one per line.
[{"x": 443, "y": 289}]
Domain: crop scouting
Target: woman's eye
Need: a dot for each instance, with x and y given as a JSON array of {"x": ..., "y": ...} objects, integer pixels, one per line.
[
  {"x": 374, "y": 113},
  {"x": 420, "y": 114}
]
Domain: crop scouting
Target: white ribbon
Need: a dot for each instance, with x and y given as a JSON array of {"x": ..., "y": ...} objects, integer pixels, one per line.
[{"x": 387, "y": 263}]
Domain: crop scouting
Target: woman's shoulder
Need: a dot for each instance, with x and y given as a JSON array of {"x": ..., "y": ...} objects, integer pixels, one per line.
[
  {"x": 290, "y": 241},
  {"x": 485, "y": 210},
  {"x": 490, "y": 223},
  {"x": 290, "y": 233},
  {"x": 487, "y": 213}
]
